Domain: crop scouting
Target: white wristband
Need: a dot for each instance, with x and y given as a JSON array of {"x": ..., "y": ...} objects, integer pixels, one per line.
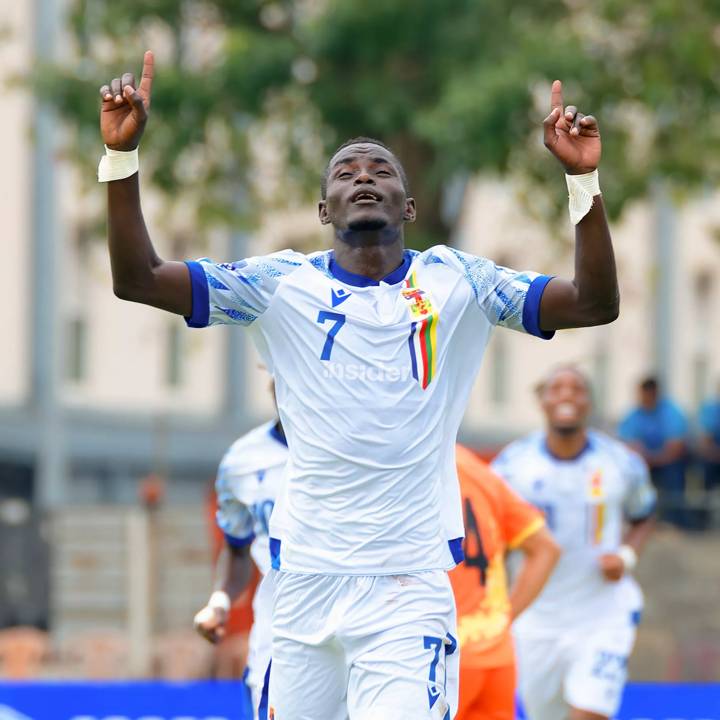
[
  {"x": 581, "y": 189},
  {"x": 220, "y": 600},
  {"x": 118, "y": 165},
  {"x": 629, "y": 557}
]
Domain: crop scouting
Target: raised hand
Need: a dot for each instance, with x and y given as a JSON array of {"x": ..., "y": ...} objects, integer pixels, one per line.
[
  {"x": 573, "y": 138},
  {"x": 124, "y": 109}
]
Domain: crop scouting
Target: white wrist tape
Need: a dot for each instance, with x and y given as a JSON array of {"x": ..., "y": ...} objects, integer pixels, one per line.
[
  {"x": 581, "y": 189},
  {"x": 118, "y": 165},
  {"x": 629, "y": 557},
  {"x": 220, "y": 600}
]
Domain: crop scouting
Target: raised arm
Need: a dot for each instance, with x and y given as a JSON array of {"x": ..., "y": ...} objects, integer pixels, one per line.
[
  {"x": 592, "y": 297},
  {"x": 233, "y": 573},
  {"x": 139, "y": 274}
]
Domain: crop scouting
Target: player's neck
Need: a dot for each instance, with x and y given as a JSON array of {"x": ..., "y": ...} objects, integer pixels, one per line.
[
  {"x": 566, "y": 446},
  {"x": 368, "y": 254}
]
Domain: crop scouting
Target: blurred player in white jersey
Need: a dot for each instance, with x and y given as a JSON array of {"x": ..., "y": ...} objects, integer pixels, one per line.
[
  {"x": 249, "y": 479},
  {"x": 374, "y": 349},
  {"x": 574, "y": 642}
]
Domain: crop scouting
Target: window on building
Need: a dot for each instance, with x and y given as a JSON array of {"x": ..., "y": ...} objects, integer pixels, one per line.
[
  {"x": 173, "y": 355},
  {"x": 76, "y": 349}
]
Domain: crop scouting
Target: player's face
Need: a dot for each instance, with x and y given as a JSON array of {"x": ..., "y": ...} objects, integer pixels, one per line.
[
  {"x": 365, "y": 191},
  {"x": 565, "y": 400},
  {"x": 648, "y": 398}
]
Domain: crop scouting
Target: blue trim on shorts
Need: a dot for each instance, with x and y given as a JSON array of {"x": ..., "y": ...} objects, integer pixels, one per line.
[
  {"x": 275, "y": 553},
  {"x": 451, "y": 644},
  {"x": 635, "y": 617},
  {"x": 456, "y": 549},
  {"x": 265, "y": 696}
]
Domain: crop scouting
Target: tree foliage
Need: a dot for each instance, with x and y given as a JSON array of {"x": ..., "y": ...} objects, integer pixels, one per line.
[{"x": 456, "y": 88}]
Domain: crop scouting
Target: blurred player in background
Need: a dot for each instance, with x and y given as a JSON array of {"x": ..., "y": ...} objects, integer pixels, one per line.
[
  {"x": 250, "y": 477},
  {"x": 709, "y": 449},
  {"x": 574, "y": 642},
  {"x": 496, "y": 520},
  {"x": 658, "y": 429},
  {"x": 374, "y": 349}
]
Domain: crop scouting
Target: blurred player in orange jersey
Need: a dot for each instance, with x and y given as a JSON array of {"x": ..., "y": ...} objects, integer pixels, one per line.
[{"x": 496, "y": 520}]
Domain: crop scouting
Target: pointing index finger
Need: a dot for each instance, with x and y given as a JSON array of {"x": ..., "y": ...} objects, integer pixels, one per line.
[
  {"x": 556, "y": 97},
  {"x": 147, "y": 74}
]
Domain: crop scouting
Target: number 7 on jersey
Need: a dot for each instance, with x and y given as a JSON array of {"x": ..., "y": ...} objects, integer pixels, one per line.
[{"x": 339, "y": 319}]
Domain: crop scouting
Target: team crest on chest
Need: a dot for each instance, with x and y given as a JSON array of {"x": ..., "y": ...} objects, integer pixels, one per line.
[{"x": 423, "y": 331}]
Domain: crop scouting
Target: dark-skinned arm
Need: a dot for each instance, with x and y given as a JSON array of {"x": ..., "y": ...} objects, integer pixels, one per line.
[
  {"x": 233, "y": 572},
  {"x": 592, "y": 297},
  {"x": 139, "y": 274},
  {"x": 611, "y": 564},
  {"x": 541, "y": 553}
]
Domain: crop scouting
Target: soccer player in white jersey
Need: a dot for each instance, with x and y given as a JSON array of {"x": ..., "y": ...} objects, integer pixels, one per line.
[
  {"x": 374, "y": 349},
  {"x": 249, "y": 479},
  {"x": 574, "y": 642}
]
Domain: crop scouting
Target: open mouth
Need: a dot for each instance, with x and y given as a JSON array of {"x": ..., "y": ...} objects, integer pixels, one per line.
[{"x": 365, "y": 196}]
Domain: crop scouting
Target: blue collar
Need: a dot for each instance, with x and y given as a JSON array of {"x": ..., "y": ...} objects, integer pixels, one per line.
[
  {"x": 349, "y": 278},
  {"x": 585, "y": 448},
  {"x": 277, "y": 435}
]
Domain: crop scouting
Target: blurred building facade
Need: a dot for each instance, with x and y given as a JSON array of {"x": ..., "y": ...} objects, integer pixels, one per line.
[{"x": 95, "y": 393}]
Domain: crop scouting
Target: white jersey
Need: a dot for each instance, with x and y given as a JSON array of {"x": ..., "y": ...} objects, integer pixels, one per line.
[
  {"x": 249, "y": 479},
  {"x": 586, "y": 501},
  {"x": 372, "y": 379}
]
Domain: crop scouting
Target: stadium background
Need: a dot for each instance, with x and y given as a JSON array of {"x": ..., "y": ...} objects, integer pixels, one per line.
[{"x": 113, "y": 417}]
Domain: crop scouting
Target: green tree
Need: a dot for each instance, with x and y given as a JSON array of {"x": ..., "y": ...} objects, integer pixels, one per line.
[{"x": 456, "y": 88}]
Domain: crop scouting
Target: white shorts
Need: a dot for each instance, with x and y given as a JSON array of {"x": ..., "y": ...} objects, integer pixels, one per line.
[
  {"x": 260, "y": 642},
  {"x": 363, "y": 647},
  {"x": 584, "y": 670}
]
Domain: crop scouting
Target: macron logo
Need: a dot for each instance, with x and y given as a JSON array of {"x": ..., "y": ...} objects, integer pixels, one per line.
[{"x": 339, "y": 296}]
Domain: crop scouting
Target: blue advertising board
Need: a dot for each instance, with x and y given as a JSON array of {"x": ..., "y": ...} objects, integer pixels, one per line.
[{"x": 224, "y": 700}]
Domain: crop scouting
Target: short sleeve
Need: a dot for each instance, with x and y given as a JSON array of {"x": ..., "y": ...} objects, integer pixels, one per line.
[
  {"x": 628, "y": 428},
  {"x": 640, "y": 498},
  {"x": 233, "y": 515},
  {"x": 237, "y": 293},
  {"x": 519, "y": 519},
  {"x": 507, "y": 297}
]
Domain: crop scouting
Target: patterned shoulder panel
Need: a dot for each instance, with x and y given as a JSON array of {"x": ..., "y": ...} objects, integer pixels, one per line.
[
  {"x": 238, "y": 292},
  {"x": 500, "y": 293},
  {"x": 321, "y": 261}
]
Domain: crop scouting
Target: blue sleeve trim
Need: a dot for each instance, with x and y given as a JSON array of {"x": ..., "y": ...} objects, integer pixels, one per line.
[
  {"x": 200, "y": 316},
  {"x": 275, "y": 553},
  {"x": 456, "y": 550},
  {"x": 237, "y": 542},
  {"x": 531, "y": 308}
]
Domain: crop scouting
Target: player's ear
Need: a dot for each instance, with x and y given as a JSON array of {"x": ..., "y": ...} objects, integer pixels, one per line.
[
  {"x": 410, "y": 211},
  {"x": 323, "y": 213}
]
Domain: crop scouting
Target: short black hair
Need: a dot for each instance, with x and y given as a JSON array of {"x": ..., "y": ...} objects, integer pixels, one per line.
[
  {"x": 362, "y": 140},
  {"x": 650, "y": 384}
]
